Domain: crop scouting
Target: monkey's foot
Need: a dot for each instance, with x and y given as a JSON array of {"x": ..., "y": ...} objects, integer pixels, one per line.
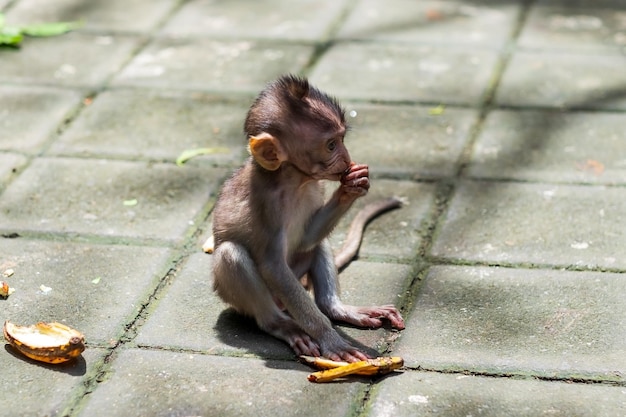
[
  {"x": 288, "y": 330},
  {"x": 370, "y": 316}
]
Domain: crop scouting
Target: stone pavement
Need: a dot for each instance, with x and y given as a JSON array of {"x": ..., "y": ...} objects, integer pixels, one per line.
[{"x": 500, "y": 123}]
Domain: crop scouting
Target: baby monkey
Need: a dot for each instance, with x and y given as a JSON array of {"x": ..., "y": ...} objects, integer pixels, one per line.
[{"x": 271, "y": 222}]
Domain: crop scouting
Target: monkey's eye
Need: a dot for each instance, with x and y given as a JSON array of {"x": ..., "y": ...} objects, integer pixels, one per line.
[{"x": 331, "y": 145}]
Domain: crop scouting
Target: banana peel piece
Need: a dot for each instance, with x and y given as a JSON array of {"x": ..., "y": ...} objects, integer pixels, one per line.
[
  {"x": 45, "y": 342},
  {"x": 5, "y": 290},
  {"x": 333, "y": 370},
  {"x": 209, "y": 245}
]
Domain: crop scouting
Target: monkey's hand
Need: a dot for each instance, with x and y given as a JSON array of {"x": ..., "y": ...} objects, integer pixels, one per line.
[
  {"x": 335, "y": 348},
  {"x": 355, "y": 182}
]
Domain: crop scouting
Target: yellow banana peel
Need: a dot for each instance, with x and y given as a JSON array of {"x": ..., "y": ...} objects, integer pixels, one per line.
[
  {"x": 45, "y": 342},
  {"x": 333, "y": 370}
]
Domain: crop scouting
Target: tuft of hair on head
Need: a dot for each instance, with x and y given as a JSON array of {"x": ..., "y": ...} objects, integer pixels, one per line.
[
  {"x": 297, "y": 87},
  {"x": 290, "y": 98}
]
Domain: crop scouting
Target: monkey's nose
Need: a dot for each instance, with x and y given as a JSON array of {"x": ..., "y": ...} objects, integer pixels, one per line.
[{"x": 348, "y": 161}]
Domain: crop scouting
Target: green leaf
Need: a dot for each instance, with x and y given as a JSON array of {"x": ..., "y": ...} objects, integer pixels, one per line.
[
  {"x": 10, "y": 30},
  {"x": 49, "y": 29},
  {"x": 10, "y": 36},
  {"x": 437, "y": 111},
  {"x": 190, "y": 153},
  {"x": 131, "y": 203}
]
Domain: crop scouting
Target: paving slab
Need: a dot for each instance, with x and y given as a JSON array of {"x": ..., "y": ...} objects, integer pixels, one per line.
[
  {"x": 205, "y": 64},
  {"x": 35, "y": 389},
  {"x": 484, "y": 22},
  {"x": 162, "y": 383},
  {"x": 571, "y": 226},
  {"x": 74, "y": 59},
  {"x": 112, "y": 15},
  {"x": 398, "y": 72},
  {"x": 564, "y": 80},
  {"x": 408, "y": 140},
  {"x": 577, "y": 147},
  {"x": 534, "y": 322},
  {"x": 109, "y": 198},
  {"x": 94, "y": 214},
  {"x": 10, "y": 163},
  {"x": 277, "y": 19},
  {"x": 157, "y": 126},
  {"x": 31, "y": 115},
  {"x": 191, "y": 316},
  {"x": 93, "y": 288},
  {"x": 578, "y": 26},
  {"x": 426, "y": 394},
  {"x": 397, "y": 233}
]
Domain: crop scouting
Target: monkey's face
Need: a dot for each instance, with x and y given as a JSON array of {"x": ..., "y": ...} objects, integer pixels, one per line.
[
  {"x": 294, "y": 123},
  {"x": 321, "y": 155}
]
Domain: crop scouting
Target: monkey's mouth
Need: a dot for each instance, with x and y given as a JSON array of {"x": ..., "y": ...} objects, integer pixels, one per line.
[
  {"x": 329, "y": 177},
  {"x": 343, "y": 174},
  {"x": 339, "y": 176}
]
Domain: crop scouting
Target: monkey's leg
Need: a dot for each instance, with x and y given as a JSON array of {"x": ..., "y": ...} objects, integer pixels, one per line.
[
  {"x": 238, "y": 283},
  {"x": 324, "y": 277}
]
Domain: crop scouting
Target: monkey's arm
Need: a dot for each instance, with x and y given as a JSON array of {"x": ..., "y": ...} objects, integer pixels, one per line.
[{"x": 354, "y": 184}]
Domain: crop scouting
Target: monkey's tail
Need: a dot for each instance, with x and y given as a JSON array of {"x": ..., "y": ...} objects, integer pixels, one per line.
[{"x": 355, "y": 234}]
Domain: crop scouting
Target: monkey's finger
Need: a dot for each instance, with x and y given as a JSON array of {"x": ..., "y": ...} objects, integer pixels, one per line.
[
  {"x": 344, "y": 352},
  {"x": 358, "y": 191},
  {"x": 333, "y": 357},
  {"x": 305, "y": 346},
  {"x": 357, "y": 182},
  {"x": 392, "y": 314},
  {"x": 356, "y": 171},
  {"x": 357, "y": 186},
  {"x": 354, "y": 166},
  {"x": 353, "y": 355},
  {"x": 396, "y": 320},
  {"x": 372, "y": 322}
]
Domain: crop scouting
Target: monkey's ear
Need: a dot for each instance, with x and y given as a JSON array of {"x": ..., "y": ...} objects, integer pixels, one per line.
[{"x": 266, "y": 150}]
